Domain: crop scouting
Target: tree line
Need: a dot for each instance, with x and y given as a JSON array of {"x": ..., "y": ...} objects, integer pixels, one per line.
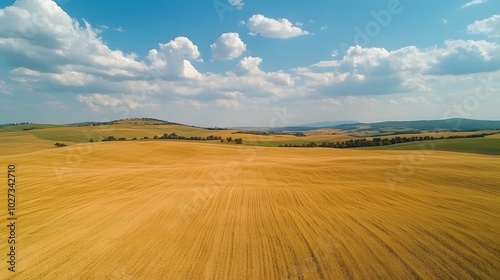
[
  {"x": 267, "y": 133},
  {"x": 377, "y": 141},
  {"x": 173, "y": 136}
]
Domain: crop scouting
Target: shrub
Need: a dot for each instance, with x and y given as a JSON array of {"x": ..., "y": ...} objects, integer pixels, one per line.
[{"x": 109, "y": 138}]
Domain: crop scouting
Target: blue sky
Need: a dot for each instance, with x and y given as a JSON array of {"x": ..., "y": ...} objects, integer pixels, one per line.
[{"x": 248, "y": 63}]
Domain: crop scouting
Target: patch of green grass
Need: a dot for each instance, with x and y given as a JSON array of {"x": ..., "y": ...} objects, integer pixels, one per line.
[
  {"x": 25, "y": 127},
  {"x": 83, "y": 134},
  {"x": 486, "y": 146}
]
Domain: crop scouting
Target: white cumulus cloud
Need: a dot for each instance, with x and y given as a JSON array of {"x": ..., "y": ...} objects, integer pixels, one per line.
[
  {"x": 172, "y": 59},
  {"x": 489, "y": 26},
  {"x": 228, "y": 46},
  {"x": 378, "y": 71},
  {"x": 274, "y": 28},
  {"x": 39, "y": 35},
  {"x": 96, "y": 100},
  {"x": 226, "y": 103},
  {"x": 238, "y": 4},
  {"x": 472, "y": 3},
  {"x": 249, "y": 66}
]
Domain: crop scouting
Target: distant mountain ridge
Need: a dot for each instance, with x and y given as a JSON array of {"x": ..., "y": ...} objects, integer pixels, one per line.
[
  {"x": 458, "y": 124},
  {"x": 429, "y": 125},
  {"x": 328, "y": 124}
]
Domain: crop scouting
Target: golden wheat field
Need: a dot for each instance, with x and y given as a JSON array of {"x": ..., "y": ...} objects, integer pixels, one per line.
[{"x": 181, "y": 210}]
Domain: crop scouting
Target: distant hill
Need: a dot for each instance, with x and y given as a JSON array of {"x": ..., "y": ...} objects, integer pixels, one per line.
[
  {"x": 136, "y": 121},
  {"x": 312, "y": 126},
  {"x": 327, "y": 124},
  {"x": 355, "y": 128},
  {"x": 293, "y": 128},
  {"x": 425, "y": 125},
  {"x": 389, "y": 127},
  {"x": 141, "y": 122}
]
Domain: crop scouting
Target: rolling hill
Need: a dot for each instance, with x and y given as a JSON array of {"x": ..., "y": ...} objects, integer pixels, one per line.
[
  {"x": 176, "y": 210},
  {"x": 425, "y": 125}
]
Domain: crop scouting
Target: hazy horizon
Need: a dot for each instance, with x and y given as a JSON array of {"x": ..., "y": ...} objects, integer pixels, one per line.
[{"x": 237, "y": 126}]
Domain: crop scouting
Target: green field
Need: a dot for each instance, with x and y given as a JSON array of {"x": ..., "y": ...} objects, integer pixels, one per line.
[
  {"x": 26, "y": 127},
  {"x": 486, "y": 146},
  {"x": 83, "y": 134}
]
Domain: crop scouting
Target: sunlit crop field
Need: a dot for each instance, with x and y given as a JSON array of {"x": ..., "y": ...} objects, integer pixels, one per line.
[{"x": 182, "y": 210}]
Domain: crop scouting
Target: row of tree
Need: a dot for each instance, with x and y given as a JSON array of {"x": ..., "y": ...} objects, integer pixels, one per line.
[
  {"x": 174, "y": 136},
  {"x": 237, "y": 140},
  {"x": 110, "y": 138},
  {"x": 267, "y": 133},
  {"x": 377, "y": 141}
]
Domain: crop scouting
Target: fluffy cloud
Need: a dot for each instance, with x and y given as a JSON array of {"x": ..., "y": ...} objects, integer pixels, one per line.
[
  {"x": 43, "y": 44},
  {"x": 376, "y": 71},
  {"x": 473, "y": 2},
  {"x": 39, "y": 35},
  {"x": 228, "y": 103},
  {"x": 228, "y": 46},
  {"x": 170, "y": 60},
  {"x": 236, "y": 3},
  {"x": 49, "y": 55},
  {"x": 460, "y": 57},
  {"x": 249, "y": 66},
  {"x": 272, "y": 28},
  {"x": 96, "y": 100},
  {"x": 489, "y": 26}
]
